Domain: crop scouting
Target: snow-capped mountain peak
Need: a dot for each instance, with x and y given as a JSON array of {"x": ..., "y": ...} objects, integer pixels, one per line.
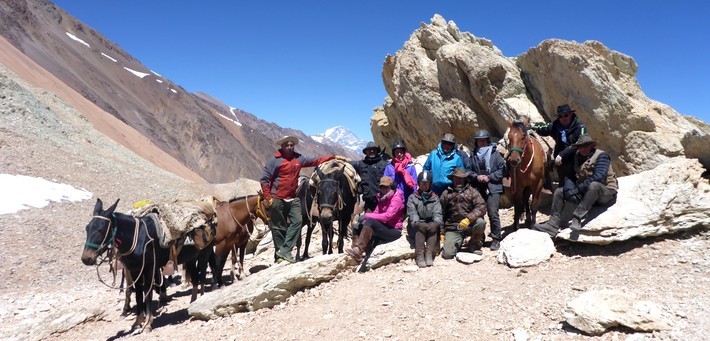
[{"x": 342, "y": 136}]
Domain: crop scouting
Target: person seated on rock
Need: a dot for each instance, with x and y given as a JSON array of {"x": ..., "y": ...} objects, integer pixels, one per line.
[
  {"x": 488, "y": 168},
  {"x": 425, "y": 219},
  {"x": 463, "y": 209},
  {"x": 442, "y": 161},
  {"x": 595, "y": 183},
  {"x": 384, "y": 224},
  {"x": 565, "y": 130},
  {"x": 370, "y": 169},
  {"x": 401, "y": 170}
]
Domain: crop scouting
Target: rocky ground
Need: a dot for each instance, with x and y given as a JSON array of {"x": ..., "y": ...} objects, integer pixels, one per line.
[{"x": 47, "y": 293}]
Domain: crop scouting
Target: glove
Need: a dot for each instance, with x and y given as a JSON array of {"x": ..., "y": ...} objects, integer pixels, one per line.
[
  {"x": 463, "y": 225},
  {"x": 361, "y": 218},
  {"x": 558, "y": 161},
  {"x": 573, "y": 195},
  {"x": 341, "y": 158},
  {"x": 441, "y": 240}
]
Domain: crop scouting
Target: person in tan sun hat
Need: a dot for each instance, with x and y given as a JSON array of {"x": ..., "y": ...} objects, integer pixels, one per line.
[
  {"x": 384, "y": 224},
  {"x": 279, "y": 183},
  {"x": 463, "y": 209},
  {"x": 595, "y": 184}
]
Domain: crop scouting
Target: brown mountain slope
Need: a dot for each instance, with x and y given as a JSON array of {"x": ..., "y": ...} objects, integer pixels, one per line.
[{"x": 184, "y": 126}]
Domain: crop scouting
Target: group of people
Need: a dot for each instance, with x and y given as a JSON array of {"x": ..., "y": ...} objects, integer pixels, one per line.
[{"x": 447, "y": 201}]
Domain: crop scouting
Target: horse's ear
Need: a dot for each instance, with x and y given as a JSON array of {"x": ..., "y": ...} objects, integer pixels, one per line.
[
  {"x": 526, "y": 121},
  {"x": 99, "y": 205},
  {"x": 510, "y": 122},
  {"x": 113, "y": 207}
]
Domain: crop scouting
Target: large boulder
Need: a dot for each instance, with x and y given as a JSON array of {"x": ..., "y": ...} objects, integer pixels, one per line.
[
  {"x": 525, "y": 248},
  {"x": 444, "y": 80},
  {"x": 672, "y": 197},
  {"x": 594, "y": 312},
  {"x": 448, "y": 81}
]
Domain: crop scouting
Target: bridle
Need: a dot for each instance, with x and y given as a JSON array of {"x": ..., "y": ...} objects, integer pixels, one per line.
[
  {"x": 106, "y": 243},
  {"x": 338, "y": 203}
]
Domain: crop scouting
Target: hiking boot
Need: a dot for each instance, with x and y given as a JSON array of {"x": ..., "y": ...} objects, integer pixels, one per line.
[
  {"x": 495, "y": 245},
  {"x": 576, "y": 224},
  {"x": 431, "y": 248},
  {"x": 421, "y": 262},
  {"x": 550, "y": 227},
  {"x": 362, "y": 241}
]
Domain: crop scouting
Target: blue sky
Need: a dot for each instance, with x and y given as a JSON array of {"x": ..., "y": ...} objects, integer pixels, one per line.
[{"x": 312, "y": 65}]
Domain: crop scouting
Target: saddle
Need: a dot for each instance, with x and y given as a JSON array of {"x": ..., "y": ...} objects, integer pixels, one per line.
[{"x": 194, "y": 221}]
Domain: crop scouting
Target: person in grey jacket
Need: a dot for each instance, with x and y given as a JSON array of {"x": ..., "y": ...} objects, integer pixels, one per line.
[
  {"x": 425, "y": 219},
  {"x": 487, "y": 168}
]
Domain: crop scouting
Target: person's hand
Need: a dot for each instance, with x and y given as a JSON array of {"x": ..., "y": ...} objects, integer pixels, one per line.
[
  {"x": 573, "y": 194},
  {"x": 482, "y": 178},
  {"x": 558, "y": 161},
  {"x": 361, "y": 218},
  {"x": 267, "y": 203},
  {"x": 463, "y": 224}
]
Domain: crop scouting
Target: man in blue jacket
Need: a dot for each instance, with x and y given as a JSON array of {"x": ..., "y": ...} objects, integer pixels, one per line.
[{"x": 441, "y": 163}]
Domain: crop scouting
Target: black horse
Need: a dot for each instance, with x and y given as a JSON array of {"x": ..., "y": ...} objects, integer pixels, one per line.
[
  {"x": 135, "y": 242},
  {"x": 336, "y": 200},
  {"x": 305, "y": 193}
]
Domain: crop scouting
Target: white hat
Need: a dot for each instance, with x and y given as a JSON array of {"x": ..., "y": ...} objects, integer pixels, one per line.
[{"x": 287, "y": 139}]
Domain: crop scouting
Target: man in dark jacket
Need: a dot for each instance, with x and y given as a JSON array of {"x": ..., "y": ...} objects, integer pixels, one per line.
[
  {"x": 424, "y": 212},
  {"x": 463, "y": 209},
  {"x": 595, "y": 184},
  {"x": 370, "y": 168},
  {"x": 488, "y": 169},
  {"x": 565, "y": 130},
  {"x": 279, "y": 184}
]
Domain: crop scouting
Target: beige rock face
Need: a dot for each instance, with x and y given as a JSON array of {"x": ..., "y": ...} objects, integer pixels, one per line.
[{"x": 444, "y": 80}]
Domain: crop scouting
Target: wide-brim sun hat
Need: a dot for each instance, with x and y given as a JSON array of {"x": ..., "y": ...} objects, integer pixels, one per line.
[
  {"x": 564, "y": 109},
  {"x": 287, "y": 139},
  {"x": 584, "y": 140},
  {"x": 459, "y": 173}
]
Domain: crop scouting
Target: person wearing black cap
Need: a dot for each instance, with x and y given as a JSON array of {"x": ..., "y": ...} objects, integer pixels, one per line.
[
  {"x": 370, "y": 169},
  {"x": 488, "y": 169},
  {"x": 595, "y": 184},
  {"x": 463, "y": 209},
  {"x": 425, "y": 219},
  {"x": 442, "y": 161},
  {"x": 565, "y": 130}
]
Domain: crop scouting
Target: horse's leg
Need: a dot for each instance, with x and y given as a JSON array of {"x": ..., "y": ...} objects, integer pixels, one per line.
[
  {"x": 517, "y": 210},
  {"x": 128, "y": 289},
  {"x": 220, "y": 254},
  {"x": 309, "y": 233},
  {"x": 147, "y": 288},
  {"x": 343, "y": 231},
  {"x": 526, "y": 202},
  {"x": 241, "y": 274},
  {"x": 191, "y": 268},
  {"x": 140, "y": 305},
  {"x": 536, "y": 201},
  {"x": 232, "y": 269}
]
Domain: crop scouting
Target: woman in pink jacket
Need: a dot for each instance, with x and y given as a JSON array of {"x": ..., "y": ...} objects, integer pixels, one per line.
[{"x": 384, "y": 224}]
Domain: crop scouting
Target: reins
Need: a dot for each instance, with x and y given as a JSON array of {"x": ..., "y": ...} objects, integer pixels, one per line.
[{"x": 252, "y": 216}]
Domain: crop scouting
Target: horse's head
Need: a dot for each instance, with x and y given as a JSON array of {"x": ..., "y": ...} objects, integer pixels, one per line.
[
  {"x": 261, "y": 212},
  {"x": 517, "y": 140},
  {"x": 329, "y": 194},
  {"x": 99, "y": 233}
]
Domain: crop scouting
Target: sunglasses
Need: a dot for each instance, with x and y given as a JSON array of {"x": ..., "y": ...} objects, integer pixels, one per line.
[
  {"x": 290, "y": 145},
  {"x": 564, "y": 116}
]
